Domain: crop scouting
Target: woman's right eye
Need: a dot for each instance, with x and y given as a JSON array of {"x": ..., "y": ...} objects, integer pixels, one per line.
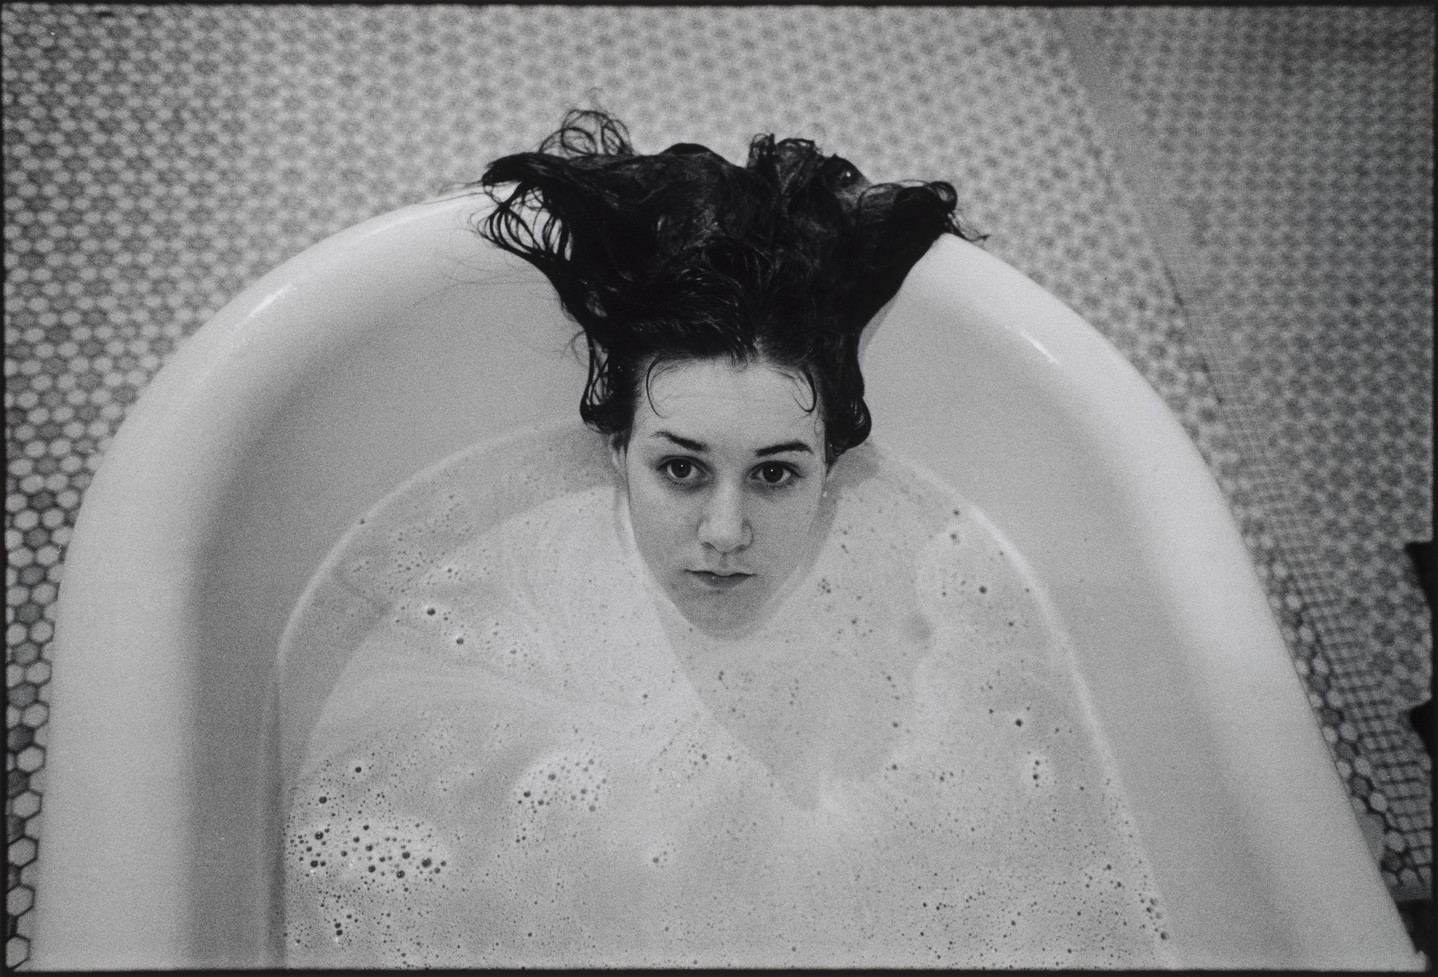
[{"x": 680, "y": 470}]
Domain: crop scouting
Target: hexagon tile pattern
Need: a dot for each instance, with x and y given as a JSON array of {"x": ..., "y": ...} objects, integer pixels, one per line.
[
  {"x": 160, "y": 158},
  {"x": 1285, "y": 159}
]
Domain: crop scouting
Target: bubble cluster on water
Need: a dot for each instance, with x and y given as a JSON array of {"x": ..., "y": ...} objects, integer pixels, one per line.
[{"x": 897, "y": 770}]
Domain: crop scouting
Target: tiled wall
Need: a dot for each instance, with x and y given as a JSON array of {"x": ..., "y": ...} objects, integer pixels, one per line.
[{"x": 1240, "y": 200}]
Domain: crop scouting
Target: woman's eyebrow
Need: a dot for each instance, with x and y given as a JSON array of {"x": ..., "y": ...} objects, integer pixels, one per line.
[
  {"x": 685, "y": 443},
  {"x": 699, "y": 447},
  {"x": 779, "y": 449}
]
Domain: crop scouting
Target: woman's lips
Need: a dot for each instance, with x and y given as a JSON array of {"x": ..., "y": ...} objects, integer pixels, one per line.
[{"x": 718, "y": 581}]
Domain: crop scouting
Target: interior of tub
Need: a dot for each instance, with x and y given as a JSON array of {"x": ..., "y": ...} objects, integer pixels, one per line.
[{"x": 395, "y": 344}]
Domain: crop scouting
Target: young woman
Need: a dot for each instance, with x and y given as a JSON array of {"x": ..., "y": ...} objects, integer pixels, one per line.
[{"x": 722, "y": 306}]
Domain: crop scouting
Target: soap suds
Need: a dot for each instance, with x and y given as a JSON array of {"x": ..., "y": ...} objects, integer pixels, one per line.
[{"x": 896, "y": 770}]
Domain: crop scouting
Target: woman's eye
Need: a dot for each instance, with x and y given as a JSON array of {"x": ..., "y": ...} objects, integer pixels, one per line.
[
  {"x": 775, "y": 475},
  {"x": 678, "y": 470}
]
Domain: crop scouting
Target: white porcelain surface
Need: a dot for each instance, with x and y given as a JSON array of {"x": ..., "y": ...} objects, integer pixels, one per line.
[{"x": 393, "y": 344}]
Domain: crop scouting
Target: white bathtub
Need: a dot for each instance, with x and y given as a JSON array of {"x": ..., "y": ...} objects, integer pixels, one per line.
[{"x": 395, "y": 343}]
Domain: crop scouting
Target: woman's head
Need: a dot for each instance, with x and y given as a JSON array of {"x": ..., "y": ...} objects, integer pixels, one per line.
[
  {"x": 722, "y": 307},
  {"x": 683, "y": 256},
  {"x": 724, "y": 472}
]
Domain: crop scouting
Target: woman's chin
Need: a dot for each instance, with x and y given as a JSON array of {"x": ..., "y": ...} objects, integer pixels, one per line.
[{"x": 722, "y": 613}]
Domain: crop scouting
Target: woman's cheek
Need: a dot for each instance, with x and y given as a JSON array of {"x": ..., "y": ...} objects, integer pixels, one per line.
[{"x": 657, "y": 510}]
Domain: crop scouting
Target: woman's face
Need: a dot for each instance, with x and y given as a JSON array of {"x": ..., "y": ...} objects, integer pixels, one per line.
[{"x": 725, "y": 473}]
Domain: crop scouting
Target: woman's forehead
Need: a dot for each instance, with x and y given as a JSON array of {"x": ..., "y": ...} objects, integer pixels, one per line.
[{"x": 730, "y": 406}]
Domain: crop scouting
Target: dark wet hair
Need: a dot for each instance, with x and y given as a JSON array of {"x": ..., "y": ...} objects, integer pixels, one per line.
[{"x": 683, "y": 255}]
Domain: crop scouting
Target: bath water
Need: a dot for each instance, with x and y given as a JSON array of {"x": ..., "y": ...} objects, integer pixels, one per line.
[{"x": 531, "y": 759}]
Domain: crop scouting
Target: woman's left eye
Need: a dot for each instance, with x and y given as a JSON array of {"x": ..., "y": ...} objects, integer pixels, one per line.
[{"x": 775, "y": 475}]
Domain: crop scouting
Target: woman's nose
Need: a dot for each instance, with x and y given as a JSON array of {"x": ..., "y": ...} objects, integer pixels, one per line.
[{"x": 723, "y": 524}]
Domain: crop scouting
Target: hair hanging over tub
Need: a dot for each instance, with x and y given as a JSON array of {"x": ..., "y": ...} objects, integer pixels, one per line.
[{"x": 683, "y": 255}]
